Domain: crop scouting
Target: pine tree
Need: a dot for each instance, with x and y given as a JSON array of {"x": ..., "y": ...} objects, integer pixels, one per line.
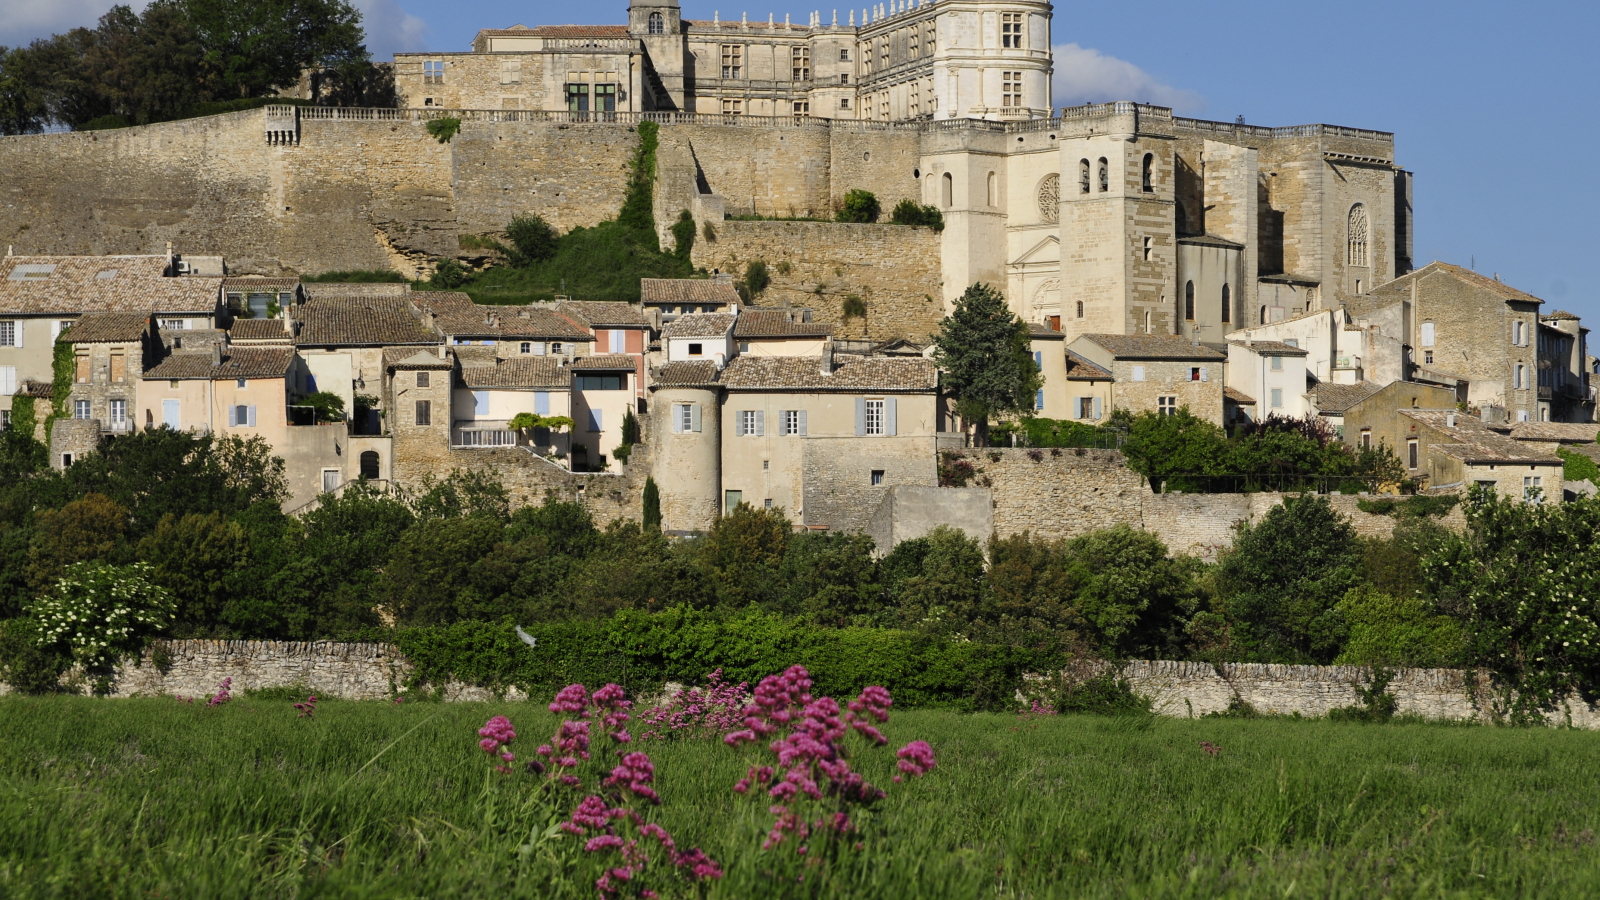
[
  {"x": 652, "y": 504},
  {"x": 985, "y": 359}
]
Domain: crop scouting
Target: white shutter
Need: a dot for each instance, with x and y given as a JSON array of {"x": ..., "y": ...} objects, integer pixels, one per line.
[
  {"x": 480, "y": 403},
  {"x": 1097, "y": 409},
  {"x": 802, "y": 415},
  {"x": 1427, "y": 334},
  {"x": 233, "y": 415},
  {"x": 22, "y": 325},
  {"x": 677, "y": 423},
  {"x": 1203, "y": 374},
  {"x": 8, "y": 380},
  {"x": 694, "y": 417},
  {"x": 252, "y": 416},
  {"x": 861, "y": 416},
  {"x": 761, "y": 423},
  {"x": 889, "y": 416},
  {"x": 1138, "y": 373},
  {"x": 541, "y": 403},
  {"x": 738, "y": 424}
]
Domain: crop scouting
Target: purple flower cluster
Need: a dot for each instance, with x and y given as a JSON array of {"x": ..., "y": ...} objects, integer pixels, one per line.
[
  {"x": 496, "y": 734},
  {"x": 806, "y": 735},
  {"x": 221, "y": 696},
  {"x": 593, "y": 815},
  {"x": 716, "y": 710},
  {"x": 307, "y": 709}
]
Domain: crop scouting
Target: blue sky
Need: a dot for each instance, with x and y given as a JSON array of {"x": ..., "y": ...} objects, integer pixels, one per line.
[{"x": 1495, "y": 107}]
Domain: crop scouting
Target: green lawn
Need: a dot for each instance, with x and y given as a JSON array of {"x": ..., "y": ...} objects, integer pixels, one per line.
[{"x": 152, "y": 799}]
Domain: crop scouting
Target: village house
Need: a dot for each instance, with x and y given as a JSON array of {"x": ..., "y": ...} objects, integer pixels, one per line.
[
  {"x": 779, "y": 332},
  {"x": 1273, "y": 373},
  {"x": 669, "y": 298},
  {"x": 1159, "y": 373},
  {"x": 694, "y": 337},
  {"x": 617, "y": 328},
  {"x": 491, "y": 392}
]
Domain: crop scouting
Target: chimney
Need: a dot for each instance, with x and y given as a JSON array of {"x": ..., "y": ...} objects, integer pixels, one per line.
[
  {"x": 827, "y": 357},
  {"x": 444, "y": 352},
  {"x": 1450, "y": 420},
  {"x": 216, "y": 353}
]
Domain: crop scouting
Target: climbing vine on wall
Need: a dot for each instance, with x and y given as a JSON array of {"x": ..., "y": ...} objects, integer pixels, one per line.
[{"x": 62, "y": 372}]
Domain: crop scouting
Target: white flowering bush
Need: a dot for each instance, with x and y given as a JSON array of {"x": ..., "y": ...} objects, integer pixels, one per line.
[{"x": 98, "y": 612}]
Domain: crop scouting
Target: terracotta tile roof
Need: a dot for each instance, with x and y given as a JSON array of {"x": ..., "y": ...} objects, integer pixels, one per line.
[
  {"x": 45, "y": 296},
  {"x": 31, "y": 388},
  {"x": 687, "y": 290},
  {"x": 765, "y": 323},
  {"x": 320, "y": 290},
  {"x": 1238, "y": 396},
  {"x": 1044, "y": 332},
  {"x": 1474, "y": 441},
  {"x": 1153, "y": 346},
  {"x": 258, "y": 330},
  {"x": 1499, "y": 288},
  {"x": 253, "y": 283},
  {"x": 81, "y": 268},
  {"x": 685, "y": 374},
  {"x": 850, "y": 373},
  {"x": 406, "y": 358},
  {"x": 1564, "y": 432},
  {"x": 1335, "y": 399},
  {"x": 603, "y": 313},
  {"x": 521, "y": 372},
  {"x": 360, "y": 322},
  {"x": 701, "y": 325},
  {"x": 457, "y": 316},
  {"x": 476, "y": 356},
  {"x": 1080, "y": 369},
  {"x": 238, "y": 362},
  {"x": 108, "y": 328},
  {"x": 1560, "y": 315},
  {"x": 1270, "y": 348},
  {"x": 607, "y": 361}
]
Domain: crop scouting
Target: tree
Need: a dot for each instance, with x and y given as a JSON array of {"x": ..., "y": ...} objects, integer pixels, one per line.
[
  {"x": 907, "y": 212},
  {"x": 81, "y": 531},
  {"x": 652, "y": 504},
  {"x": 859, "y": 206},
  {"x": 1280, "y": 582},
  {"x": 743, "y": 551},
  {"x": 448, "y": 275},
  {"x": 683, "y": 235},
  {"x": 195, "y": 557},
  {"x": 1176, "y": 451},
  {"x": 427, "y": 580},
  {"x": 830, "y": 579},
  {"x": 23, "y": 107},
  {"x": 985, "y": 359},
  {"x": 938, "y": 585},
  {"x": 253, "y": 49},
  {"x": 328, "y": 406},
  {"x": 533, "y": 240},
  {"x": 756, "y": 279}
]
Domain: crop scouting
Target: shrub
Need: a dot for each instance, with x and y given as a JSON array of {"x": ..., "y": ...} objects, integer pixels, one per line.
[
  {"x": 98, "y": 613},
  {"x": 356, "y": 276},
  {"x": 1397, "y": 631},
  {"x": 1105, "y": 694},
  {"x": 532, "y": 239},
  {"x": 756, "y": 278},
  {"x": 955, "y": 470},
  {"x": 443, "y": 129},
  {"x": 859, "y": 206},
  {"x": 1578, "y": 467},
  {"x": 1377, "y": 704},
  {"x": 853, "y": 307},
  {"x": 26, "y": 666},
  {"x": 683, "y": 235},
  {"x": 907, "y": 212},
  {"x": 652, "y": 504},
  {"x": 328, "y": 406},
  {"x": 448, "y": 275}
]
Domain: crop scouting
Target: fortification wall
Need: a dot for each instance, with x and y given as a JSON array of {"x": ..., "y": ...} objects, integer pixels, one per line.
[{"x": 894, "y": 269}]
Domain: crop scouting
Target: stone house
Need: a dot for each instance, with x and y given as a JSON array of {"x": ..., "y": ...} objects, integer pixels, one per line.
[
  {"x": 1089, "y": 390},
  {"x": 110, "y": 354},
  {"x": 1375, "y": 420},
  {"x": 1463, "y": 451},
  {"x": 511, "y": 330},
  {"x": 1329, "y": 401},
  {"x": 1159, "y": 373},
  {"x": 342, "y": 340},
  {"x": 1563, "y": 347},
  {"x": 1339, "y": 351},
  {"x": 1053, "y": 400},
  {"x": 490, "y": 392},
  {"x": 616, "y": 328},
  {"x": 40, "y": 296},
  {"x": 700, "y": 336},
  {"x": 1273, "y": 373},
  {"x": 604, "y": 390},
  {"x": 418, "y": 399},
  {"x": 779, "y": 332},
  {"x": 669, "y": 298},
  {"x": 259, "y": 297},
  {"x": 1467, "y": 329}
]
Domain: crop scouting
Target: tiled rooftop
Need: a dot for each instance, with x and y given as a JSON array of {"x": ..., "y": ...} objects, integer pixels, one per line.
[
  {"x": 850, "y": 373},
  {"x": 675, "y": 291},
  {"x": 81, "y": 268},
  {"x": 457, "y": 316},
  {"x": 606, "y": 361},
  {"x": 1270, "y": 348},
  {"x": 771, "y": 323},
  {"x": 1563, "y": 432},
  {"x": 521, "y": 372},
  {"x": 258, "y": 330},
  {"x": 108, "y": 328},
  {"x": 604, "y": 313},
  {"x": 1238, "y": 396},
  {"x": 360, "y": 322},
  {"x": 1080, "y": 369},
  {"x": 1154, "y": 346},
  {"x": 238, "y": 362},
  {"x": 404, "y": 358},
  {"x": 1334, "y": 399},
  {"x": 686, "y": 374},
  {"x": 706, "y": 325},
  {"x": 1474, "y": 441},
  {"x": 121, "y": 293}
]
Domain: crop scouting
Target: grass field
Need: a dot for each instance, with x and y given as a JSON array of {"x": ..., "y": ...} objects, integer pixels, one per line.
[{"x": 153, "y": 799}]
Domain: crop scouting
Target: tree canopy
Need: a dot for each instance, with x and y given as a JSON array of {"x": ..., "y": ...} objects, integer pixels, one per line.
[{"x": 985, "y": 358}]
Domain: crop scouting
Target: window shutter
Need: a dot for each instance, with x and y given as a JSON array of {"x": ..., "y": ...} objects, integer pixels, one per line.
[
  {"x": 738, "y": 424},
  {"x": 889, "y": 416},
  {"x": 1097, "y": 409},
  {"x": 677, "y": 423},
  {"x": 761, "y": 423},
  {"x": 861, "y": 416},
  {"x": 233, "y": 415},
  {"x": 1138, "y": 373},
  {"x": 252, "y": 416},
  {"x": 8, "y": 380},
  {"x": 783, "y": 423},
  {"x": 1038, "y": 399},
  {"x": 1203, "y": 373},
  {"x": 694, "y": 417},
  {"x": 596, "y": 420},
  {"x": 1038, "y": 360},
  {"x": 22, "y": 325},
  {"x": 541, "y": 402},
  {"x": 480, "y": 403},
  {"x": 802, "y": 423}
]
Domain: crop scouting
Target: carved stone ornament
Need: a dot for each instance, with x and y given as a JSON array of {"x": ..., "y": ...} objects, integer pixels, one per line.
[{"x": 1050, "y": 199}]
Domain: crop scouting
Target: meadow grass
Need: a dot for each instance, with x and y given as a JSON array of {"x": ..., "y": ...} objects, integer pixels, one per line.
[{"x": 153, "y": 799}]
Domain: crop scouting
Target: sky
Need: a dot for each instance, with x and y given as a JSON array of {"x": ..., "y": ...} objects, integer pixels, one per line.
[{"x": 1475, "y": 93}]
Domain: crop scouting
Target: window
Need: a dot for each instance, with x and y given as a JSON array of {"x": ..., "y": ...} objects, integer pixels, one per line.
[
  {"x": 802, "y": 64},
  {"x": 802, "y": 109},
  {"x": 844, "y": 54},
  {"x": 1080, "y": 309},
  {"x": 424, "y": 412},
  {"x": 1011, "y": 30},
  {"x": 1011, "y": 89},
  {"x": 1086, "y": 408},
  {"x": 605, "y": 98},
  {"x": 1366, "y": 439},
  {"x": 1519, "y": 334},
  {"x": 658, "y": 24},
  {"x": 1427, "y": 357},
  {"x": 1227, "y": 304},
  {"x": 792, "y": 422},
  {"x": 422, "y": 379},
  {"x": 577, "y": 98},
  {"x": 949, "y": 190},
  {"x": 877, "y": 477},
  {"x": 82, "y": 370},
  {"x": 696, "y": 349},
  {"x": 66, "y": 460},
  {"x": 750, "y": 423},
  {"x": 1277, "y": 398},
  {"x": 511, "y": 72},
  {"x": 433, "y": 71},
  {"x": 369, "y": 465},
  {"x": 994, "y": 191},
  {"x": 118, "y": 412},
  {"x": 1356, "y": 238},
  {"x": 1412, "y": 451},
  {"x": 80, "y": 409},
  {"x": 526, "y": 348},
  {"x": 1188, "y": 301},
  {"x": 240, "y": 384},
  {"x": 1520, "y": 377},
  {"x": 600, "y": 383},
  {"x": 1167, "y": 406},
  {"x": 874, "y": 417},
  {"x": 1138, "y": 373},
  {"x": 1522, "y": 415},
  {"x": 1263, "y": 315},
  {"x": 1144, "y": 177},
  {"x": 731, "y": 500},
  {"x": 685, "y": 418},
  {"x": 732, "y": 60},
  {"x": 1083, "y": 176},
  {"x": 1105, "y": 175},
  {"x": 555, "y": 347},
  {"x": 1427, "y": 334},
  {"x": 10, "y": 334},
  {"x": 1532, "y": 488},
  {"x": 596, "y": 420},
  {"x": 1146, "y": 249},
  {"x": 844, "y": 102},
  {"x": 1197, "y": 373}
]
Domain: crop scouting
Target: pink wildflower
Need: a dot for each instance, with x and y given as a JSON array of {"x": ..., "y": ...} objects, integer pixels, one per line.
[
  {"x": 495, "y": 734},
  {"x": 916, "y": 758},
  {"x": 221, "y": 696},
  {"x": 571, "y": 699},
  {"x": 307, "y": 709}
]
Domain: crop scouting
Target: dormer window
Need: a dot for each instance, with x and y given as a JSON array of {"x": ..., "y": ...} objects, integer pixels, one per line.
[{"x": 696, "y": 349}]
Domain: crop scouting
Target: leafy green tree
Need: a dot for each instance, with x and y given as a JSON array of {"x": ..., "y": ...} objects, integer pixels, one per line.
[
  {"x": 831, "y": 579},
  {"x": 196, "y": 558},
  {"x": 99, "y": 613},
  {"x": 23, "y": 106},
  {"x": 907, "y": 212},
  {"x": 743, "y": 552},
  {"x": 859, "y": 206},
  {"x": 328, "y": 406},
  {"x": 944, "y": 592},
  {"x": 1390, "y": 631},
  {"x": 652, "y": 504},
  {"x": 464, "y": 492},
  {"x": 428, "y": 579},
  {"x": 632, "y": 568},
  {"x": 756, "y": 279},
  {"x": 533, "y": 240},
  {"x": 253, "y": 49},
  {"x": 448, "y": 275},
  {"x": 1175, "y": 452},
  {"x": 567, "y": 527},
  {"x": 985, "y": 359},
  {"x": 81, "y": 531},
  {"x": 683, "y": 235},
  {"x": 1280, "y": 582},
  {"x": 156, "y": 471},
  {"x": 332, "y": 558}
]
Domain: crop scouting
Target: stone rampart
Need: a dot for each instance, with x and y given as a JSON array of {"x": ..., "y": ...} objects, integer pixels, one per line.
[{"x": 894, "y": 269}]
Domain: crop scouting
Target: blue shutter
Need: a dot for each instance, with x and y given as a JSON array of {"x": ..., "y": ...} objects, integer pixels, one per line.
[
  {"x": 861, "y": 416},
  {"x": 480, "y": 403},
  {"x": 1038, "y": 359},
  {"x": 1097, "y": 409},
  {"x": 233, "y": 415},
  {"x": 594, "y": 420},
  {"x": 889, "y": 409},
  {"x": 694, "y": 417},
  {"x": 541, "y": 402},
  {"x": 1038, "y": 399}
]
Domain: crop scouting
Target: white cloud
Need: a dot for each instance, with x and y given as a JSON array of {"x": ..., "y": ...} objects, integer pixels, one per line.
[
  {"x": 390, "y": 29},
  {"x": 1085, "y": 75}
]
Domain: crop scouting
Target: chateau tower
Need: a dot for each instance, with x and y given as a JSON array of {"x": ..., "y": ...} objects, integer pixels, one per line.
[{"x": 658, "y": 26}]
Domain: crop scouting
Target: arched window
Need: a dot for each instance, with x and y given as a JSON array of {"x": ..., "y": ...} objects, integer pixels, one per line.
[
  {"x": 994, "y": 191},
  {"x": 1227, "y": 304},
  {"x": 1356, "y": 254},
  {"x": 1147, "y": 249},
  {"x": 1105, "y": 175},
  {"x": 1080, "y": 315},
  {"x": 658, "y": 25},
  {"x": 1083, "y": 176},
  {"x": 1188, "y": 301},
  {"x": 1149, "y": 161},
  {"x": 1263, "y": 315},
  {"x": 949, "y": 191},
  {"x": 369, "y": 464}
]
